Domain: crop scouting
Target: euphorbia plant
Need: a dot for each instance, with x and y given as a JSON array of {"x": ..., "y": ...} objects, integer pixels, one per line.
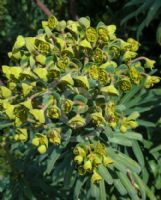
[{"x": 72, "y": 99}]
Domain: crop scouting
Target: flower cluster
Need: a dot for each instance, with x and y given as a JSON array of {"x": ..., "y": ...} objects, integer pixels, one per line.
[
  {"x": 89, "y": 157},
  {"x": 70, "y": 77}
]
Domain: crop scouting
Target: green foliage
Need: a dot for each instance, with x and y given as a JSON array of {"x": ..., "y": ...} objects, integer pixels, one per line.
[
  {"x": 146, "y": 12},
  {"x": 73, "y": 106}
]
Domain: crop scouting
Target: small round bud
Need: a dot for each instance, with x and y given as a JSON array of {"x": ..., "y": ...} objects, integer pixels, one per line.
[
  {"x": 36, "y": 141},
  {"x": 91, "y": 34},
  {"x": 87, "y": 165},
  {"x": 96, "y": 178},
  {"x": 125, "y": 84},
  {"x": 42, "y": 149}
]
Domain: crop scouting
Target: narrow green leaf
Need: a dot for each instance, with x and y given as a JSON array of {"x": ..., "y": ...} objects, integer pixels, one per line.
[
  {"x": 94, "y": 190},
  {"x": 120, "y": 167},
  {"x": 156, "y": 149},
  {"x": 79, "y": 184},
  {"x": 103, "y": 171},
  {"x": 5, "y": 124},
  {"x": 119, "y": 186},
  {"x": 52, "y": 159},
  {"x": 158, "y": 34},
  {"x": 153, "y": 11},
  {"x": 142, "y": 186},
  {"x": 126, "y": 98},
  {"x": 68, "y": 173},
  {"x": 102, "y": 190},
  {"x": 140, "y": 9},
  {"x": 139, "y": 109},
  {"x": 121, "y": 140},
  {"x": 131, "y": 135},
  {"x": 127, "y": 184},
  {"x": 108, "y": 131},
  {"x": 145, "y": 123},
  {"x": 128, "y": 162},
  {"x": 138, "y": 153}
]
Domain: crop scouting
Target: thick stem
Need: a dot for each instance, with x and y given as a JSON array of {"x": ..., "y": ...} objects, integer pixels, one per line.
[
  {"x": 73, "y": 10},
  {"x": 43, "y": 7}
]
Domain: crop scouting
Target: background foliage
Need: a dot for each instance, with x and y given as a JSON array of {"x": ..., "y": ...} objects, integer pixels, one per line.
[{"x": 135, "y": 18}]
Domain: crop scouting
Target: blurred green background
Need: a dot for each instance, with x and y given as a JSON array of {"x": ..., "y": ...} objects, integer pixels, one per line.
[{"x": 140, "y": 19}]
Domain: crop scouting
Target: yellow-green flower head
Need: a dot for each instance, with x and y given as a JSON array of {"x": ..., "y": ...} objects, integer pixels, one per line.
[
  {"x": 91, "y": 156},
  {"x": 42, "y": 47},
  {"x": 103, "y": 77},
  {"x": 133, "y": 124},
  {"x": 91, "y": 34},
  {"x": 15, "y": 55},
  {"x": 68, "y": 52},
  {"x": 66, "y": 106},
  {"x": 53, "y": 112},
  {"x": 111, "y": 90},
  {"x": 96, "y": 178},
  {"x": 115, "y": 51},
  {"x": 12, "y": 85},
  {"x": 36, "y": 141},
  {"x": 9, "y": 109},
  {"x": 100, "y": 149},
  {"x": 112, "y": 120},
  {"x": 93, "y": 72},
  {"x": 82, "y": 81},
  {"x": 67, "y": 80},
  {"x": 111, "y": 31},
  {"x": 87, "y": 165},
  {"x": 98, "y": 119},
  {"x": 21, "y": 112},
  {"x": 124, "y": 124},
  {"x": 20, "y": 42},
  {"x": 40, "y": 139},
  {"x": 97, "y": 55},
  {"x": 79, "y": 151},
  {"x": 134, "y": 75},
  {"x": 63, "y": 62},
  {"x": 21, "y": 135},
  {"x": 123, "y": 128},
  {"x": 129, "y": 122},
  {"x": 125, "y": 84},
  {"x": 78, "y": 159},
  {"x": 128, "y": 55},
  {"x": 41, "y": 142},
  {"x": 103, "y": 33},
  {"x": 42, "y": 149},
  {"x": 134, "y": 45},
  {"x": 81, "y": 171},
  {"x": 108, "y": 64},
  {"x": 107, "y": 160},
  {"x": 77, "y": 122},
  {"x": 97, "y": 160},
  {"x": 149, "y": 63},
  {"x": 134, "y": 115},
  {"x": 110, "y": 108},
  {"x": 5, "y": 92},
  {"x": 40, "y": 59},
  {"x": 52, "y": 22},
  {"x": 124, "y": 45},
  {"x": 9, "y": 71},
  {"x": 54, "y": 72},
  {"x": 85, "y": 44},
  {"x": 54, "y": 136},
  {"x": 151, "y": 80}
]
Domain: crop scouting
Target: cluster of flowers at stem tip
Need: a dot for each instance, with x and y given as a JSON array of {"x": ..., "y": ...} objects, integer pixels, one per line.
[
  {"x": 88, "y": 157},
  {"x": 69, "y": 76}
]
